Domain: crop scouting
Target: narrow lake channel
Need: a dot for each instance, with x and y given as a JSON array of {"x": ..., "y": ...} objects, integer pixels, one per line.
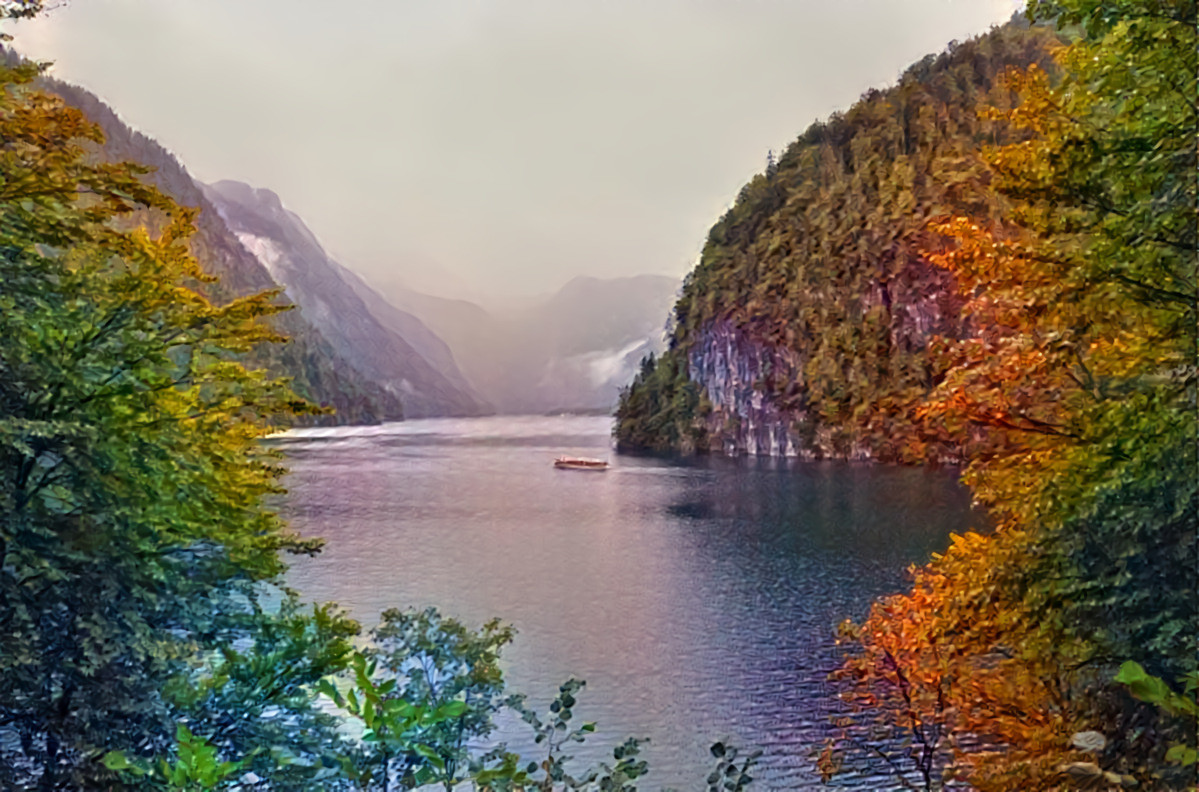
[{"x": 697, "y": 599}]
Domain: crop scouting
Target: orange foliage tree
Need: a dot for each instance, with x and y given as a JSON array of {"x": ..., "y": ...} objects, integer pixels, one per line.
[{"x": 1074, "y": 398}]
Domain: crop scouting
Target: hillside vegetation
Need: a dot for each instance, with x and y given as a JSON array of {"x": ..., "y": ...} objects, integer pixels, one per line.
[
  {"x": 812, "y": 306},
  {"x": 314, "y": 368},
  {"x": 994, "y": 262}
]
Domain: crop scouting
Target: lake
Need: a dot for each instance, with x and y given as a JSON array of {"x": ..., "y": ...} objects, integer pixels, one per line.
[{"x": 698, "y": 599}]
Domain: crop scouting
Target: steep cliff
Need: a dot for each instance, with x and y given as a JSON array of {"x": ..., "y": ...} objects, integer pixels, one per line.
[
  {"x": 733, "y": 369},
  {"x": 332, "y": 298},
  {"x": 318, "y": 373},
  {"x": 804, "y": 329}
]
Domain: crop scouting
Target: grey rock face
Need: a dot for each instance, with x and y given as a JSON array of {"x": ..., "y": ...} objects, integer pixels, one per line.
[
  {"x": 732, "y": 368},
  {"x": 743, "y": 376}
]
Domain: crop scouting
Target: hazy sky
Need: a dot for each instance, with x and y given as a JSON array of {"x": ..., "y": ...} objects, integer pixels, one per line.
[{"x": 476, "y": 147}]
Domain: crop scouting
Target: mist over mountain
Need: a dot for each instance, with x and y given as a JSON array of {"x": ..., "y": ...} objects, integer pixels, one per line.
[
  {"x": 385, "y": 353},
  {"x": 572, "y": 350},
  {"x": 344, "y": 309},
  {"x": 338, "y": 354},
  {"x": 317, "y": 372}
]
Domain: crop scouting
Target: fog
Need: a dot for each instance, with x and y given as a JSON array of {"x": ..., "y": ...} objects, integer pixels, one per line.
[{"x": 485, "y": 149}]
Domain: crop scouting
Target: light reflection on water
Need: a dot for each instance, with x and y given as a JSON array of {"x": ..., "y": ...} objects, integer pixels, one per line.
[{"x": 697, "y": 600}]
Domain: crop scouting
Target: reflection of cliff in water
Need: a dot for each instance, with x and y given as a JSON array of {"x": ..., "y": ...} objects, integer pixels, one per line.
[
  {"x": 698, "y": 599},
  {"x": 872, "y": 507}
]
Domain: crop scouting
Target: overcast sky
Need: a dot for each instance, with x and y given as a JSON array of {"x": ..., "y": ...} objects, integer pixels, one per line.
[{"x": 492, "y": 147}]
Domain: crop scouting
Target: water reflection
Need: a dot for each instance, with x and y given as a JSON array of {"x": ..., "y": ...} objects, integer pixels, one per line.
[{"x": 697, "y": 600}]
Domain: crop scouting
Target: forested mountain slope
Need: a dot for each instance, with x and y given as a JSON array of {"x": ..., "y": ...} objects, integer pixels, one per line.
[
  {"x": 317, "y": 371},
  {"x": 343, "y": 308},
  {"x": 805, "y": 327}
]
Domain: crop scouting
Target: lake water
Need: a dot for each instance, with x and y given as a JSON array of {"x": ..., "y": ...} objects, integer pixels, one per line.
[{"x": 698, "y": 600}]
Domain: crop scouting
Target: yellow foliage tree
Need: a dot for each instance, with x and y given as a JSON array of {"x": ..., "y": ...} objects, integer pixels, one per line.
[{"x": 1075, "y": 400}]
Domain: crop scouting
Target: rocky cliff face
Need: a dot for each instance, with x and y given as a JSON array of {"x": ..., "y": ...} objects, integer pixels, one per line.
[
  {"x": 805, "y": 328},
  {"x": 733, "y": 369},
  {"x": 756, "y": 388}
]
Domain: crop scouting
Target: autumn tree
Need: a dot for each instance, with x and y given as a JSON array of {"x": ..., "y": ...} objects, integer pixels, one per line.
[
  {"x": 134, "y": 540},
  {"x": 821, "y": 267},
  {"x": 1075, "y": 399}
]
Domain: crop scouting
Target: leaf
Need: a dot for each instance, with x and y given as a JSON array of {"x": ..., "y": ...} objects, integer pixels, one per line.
[
  {"x": 117, "y": 761},
  {"x": 1089, "y": 741},
  {"x": 452, "y": 709}
]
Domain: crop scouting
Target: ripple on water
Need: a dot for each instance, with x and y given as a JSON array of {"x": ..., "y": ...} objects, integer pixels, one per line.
[{"x": 697, "y": 599}]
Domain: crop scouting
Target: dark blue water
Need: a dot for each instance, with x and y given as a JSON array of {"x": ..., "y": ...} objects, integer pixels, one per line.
[{"x": 697, "y": 600}]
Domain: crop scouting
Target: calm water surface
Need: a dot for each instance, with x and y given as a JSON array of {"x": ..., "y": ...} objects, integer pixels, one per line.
[{"x": 697, "y": 600}]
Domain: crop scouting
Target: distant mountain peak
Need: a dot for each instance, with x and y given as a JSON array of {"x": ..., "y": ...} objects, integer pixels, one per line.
[
  {"x": 376, "y": 339},
  {"x": 263, "y": 201},
  {"x": 572, "y": 349}
]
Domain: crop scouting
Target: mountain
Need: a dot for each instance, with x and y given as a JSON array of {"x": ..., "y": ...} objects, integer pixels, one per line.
[
  {"x": 318, "y": 373},
  {"x": 593, "y": 332},
  {"x": 804, "y": 329},
  {"x": 362, "y": 328},
  {"x": 426, "y": 343},
  {"x": 325, "y": 357},
  {"x": 573, "y": 350}
]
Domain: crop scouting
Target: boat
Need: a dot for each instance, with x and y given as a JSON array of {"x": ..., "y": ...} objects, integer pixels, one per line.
[{"x": 580, "y": 463}]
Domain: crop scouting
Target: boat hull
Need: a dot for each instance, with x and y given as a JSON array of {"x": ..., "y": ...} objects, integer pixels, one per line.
[{"x": 578, "y": 463}]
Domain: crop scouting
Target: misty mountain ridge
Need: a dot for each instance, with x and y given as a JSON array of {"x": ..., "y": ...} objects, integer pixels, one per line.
[
  {"x": 572, "y": 350},
  {"x": 379, "y": 354},
  {"x": 345, "y": 310},
  {"x": 316, "y": 371}
]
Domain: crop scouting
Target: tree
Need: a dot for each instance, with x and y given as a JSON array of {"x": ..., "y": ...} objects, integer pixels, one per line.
[
  {"x": 436, "y": 661},
  {"x": 254, "y": 701},
  {"x": 432, "y": 685},
  {"x": 393, "y": 728},
  {"x": 133, "y": 533},
  {"x": 1076, "y": 403}
]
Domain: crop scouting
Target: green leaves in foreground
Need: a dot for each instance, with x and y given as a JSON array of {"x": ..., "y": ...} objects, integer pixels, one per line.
[
  {"x": 391, "y": 726},
  {"x": 196, "y": 765},
  {"x": 729, "y": 775},
  {"x": 1184, "y": 706},
  {"x": 426, "y": 692}
]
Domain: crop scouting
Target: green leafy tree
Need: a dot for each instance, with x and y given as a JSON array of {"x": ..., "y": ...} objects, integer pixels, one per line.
[
  {"x": 426, "y": 693},
  {"x": 194, "y": 768},
  {"x": 436, "y": 661},
  {"x": 254, "y": 699},
  {"x": 392, "y": 727},
  {"x": 133, "y": 531}
]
